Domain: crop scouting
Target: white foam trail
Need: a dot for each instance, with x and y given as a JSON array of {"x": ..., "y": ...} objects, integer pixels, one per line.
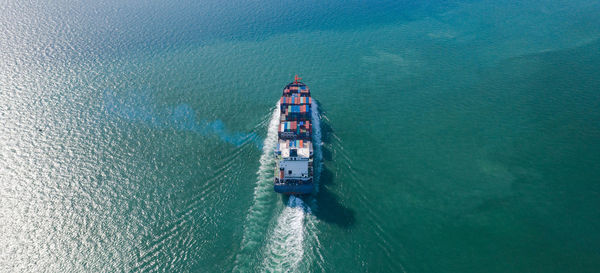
[
  {"x": 285, "y": 249},
  {"x": 313, "y": 240},
  {"x": 258, "y": 214},
  {"x": 292, "y": 242},
  {"x": 317, "y": 143}
]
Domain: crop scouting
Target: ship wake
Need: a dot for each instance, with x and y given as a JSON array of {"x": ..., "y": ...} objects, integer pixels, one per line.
[
  {"x": 283, "y": 238},
  {"x": 259, "y": 213},
  {"x": 286, "y": 246}
]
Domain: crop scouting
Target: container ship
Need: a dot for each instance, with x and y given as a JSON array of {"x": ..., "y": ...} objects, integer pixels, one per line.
[{"x": 294, "y": 152}]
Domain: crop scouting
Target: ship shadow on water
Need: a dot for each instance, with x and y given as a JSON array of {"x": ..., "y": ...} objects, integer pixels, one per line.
[{"x": 328, "y": 207}]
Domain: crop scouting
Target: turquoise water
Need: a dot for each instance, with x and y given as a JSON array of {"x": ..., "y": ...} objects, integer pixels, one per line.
[{"x": 457, "y": 136}]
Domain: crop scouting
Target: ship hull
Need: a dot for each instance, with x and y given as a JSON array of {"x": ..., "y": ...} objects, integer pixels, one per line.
[{"x": 294, "y": 152}]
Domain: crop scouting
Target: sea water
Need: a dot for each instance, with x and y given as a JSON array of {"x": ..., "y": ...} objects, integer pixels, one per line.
[{"x": 454, "y": 136}]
